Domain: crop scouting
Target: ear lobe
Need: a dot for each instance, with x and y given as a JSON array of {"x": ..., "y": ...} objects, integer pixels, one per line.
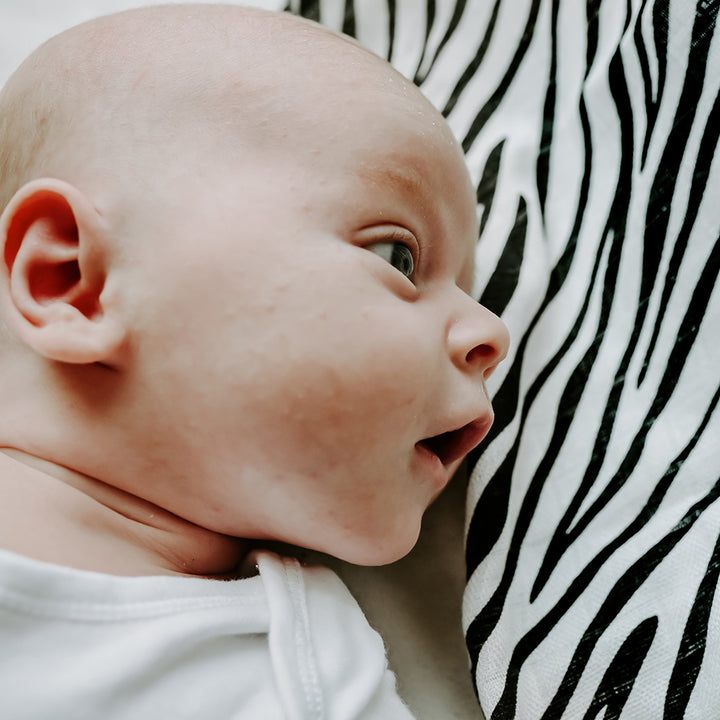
[{"x": 55, "y": 264}]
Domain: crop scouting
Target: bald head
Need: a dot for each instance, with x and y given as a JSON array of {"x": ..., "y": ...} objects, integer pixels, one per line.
[
  {"x": 195, "y": 252},
  {"x": 129, "y": 92}
]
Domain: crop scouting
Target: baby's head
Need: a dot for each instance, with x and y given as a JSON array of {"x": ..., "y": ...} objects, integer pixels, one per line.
[{"x": 236, "y": 255}]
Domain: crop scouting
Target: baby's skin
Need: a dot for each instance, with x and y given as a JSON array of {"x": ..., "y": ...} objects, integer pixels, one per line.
[{"x": 237, "y": 252}]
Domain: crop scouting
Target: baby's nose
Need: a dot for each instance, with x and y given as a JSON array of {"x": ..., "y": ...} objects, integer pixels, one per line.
[{"x": 478, "y": 339}]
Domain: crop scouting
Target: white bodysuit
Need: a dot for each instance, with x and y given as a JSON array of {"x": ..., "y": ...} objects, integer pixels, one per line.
[{"x": 288, "y": 643}]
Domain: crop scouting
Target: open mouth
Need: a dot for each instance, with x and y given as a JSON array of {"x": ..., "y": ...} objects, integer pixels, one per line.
[{"x": 454, "y": 445}]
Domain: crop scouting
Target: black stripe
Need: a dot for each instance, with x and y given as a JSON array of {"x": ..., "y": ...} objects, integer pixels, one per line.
[
  {"x": 484, "y": 623},
  {"x": 349, "y": 20},
  {"x": 506, "y": 398},
  {"x": 454, "y": 22},
  {"x": 507, "y": 273},
  {"x": 701, "y": 170},
  {"x": 616, "y": 599},
  {"x": 429, "y": 22},
  {"x": 471, "y": 69},
  {"x": 487, "y": 185},
  {"x": 490, "y": 511},
  {"x": 661, "y": 26},
  {"x": 692, "y": 647},
  {"x": 573, "y": 390},
  {"x": 495, "y": 99},
  {"x": 391, "y": 28},
  {"x": 592, "y": 13},
  {"x": 542, "y": 170},
  {"x": 310, "y": 9},
  {"x": 665, "y": 180},
  {"x": 644, "y": 62},
  {"x": 563, "y": 537},
  {"x": 620, "y": 676}
]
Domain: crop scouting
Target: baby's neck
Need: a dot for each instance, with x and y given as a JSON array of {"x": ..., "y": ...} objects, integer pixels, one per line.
[{"x": 52, "y": 513}]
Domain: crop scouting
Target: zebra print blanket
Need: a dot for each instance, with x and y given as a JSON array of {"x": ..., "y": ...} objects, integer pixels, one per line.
[
  {"x": 590, "y": 129},
  {"x": 593, "y": 522}
]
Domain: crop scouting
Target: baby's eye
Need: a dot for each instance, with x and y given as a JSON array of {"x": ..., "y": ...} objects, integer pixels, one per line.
[{"x": 398, "y": 254}]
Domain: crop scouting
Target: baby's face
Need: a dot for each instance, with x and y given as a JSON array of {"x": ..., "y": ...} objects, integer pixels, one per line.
[{"x": 323, "y": 361}]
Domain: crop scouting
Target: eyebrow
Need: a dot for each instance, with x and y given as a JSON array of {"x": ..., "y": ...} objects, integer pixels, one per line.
[{"x": 403, "y": 174}]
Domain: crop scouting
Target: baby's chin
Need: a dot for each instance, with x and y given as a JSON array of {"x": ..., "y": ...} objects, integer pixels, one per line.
[{"x": 376, "y": 550}]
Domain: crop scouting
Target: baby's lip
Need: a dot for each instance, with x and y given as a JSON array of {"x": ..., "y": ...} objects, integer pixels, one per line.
[{"x": 455, "y": 444}]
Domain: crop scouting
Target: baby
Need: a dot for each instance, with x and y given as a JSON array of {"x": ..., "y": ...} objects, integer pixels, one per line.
[{"x": 236, "y": 250}]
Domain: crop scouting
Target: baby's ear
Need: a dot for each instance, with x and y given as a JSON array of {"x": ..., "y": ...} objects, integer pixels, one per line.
[{"x": 55, "y": 262}]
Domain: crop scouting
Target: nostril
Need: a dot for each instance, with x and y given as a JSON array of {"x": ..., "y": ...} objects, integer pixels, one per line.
[{"x": 482, "y": 355}]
